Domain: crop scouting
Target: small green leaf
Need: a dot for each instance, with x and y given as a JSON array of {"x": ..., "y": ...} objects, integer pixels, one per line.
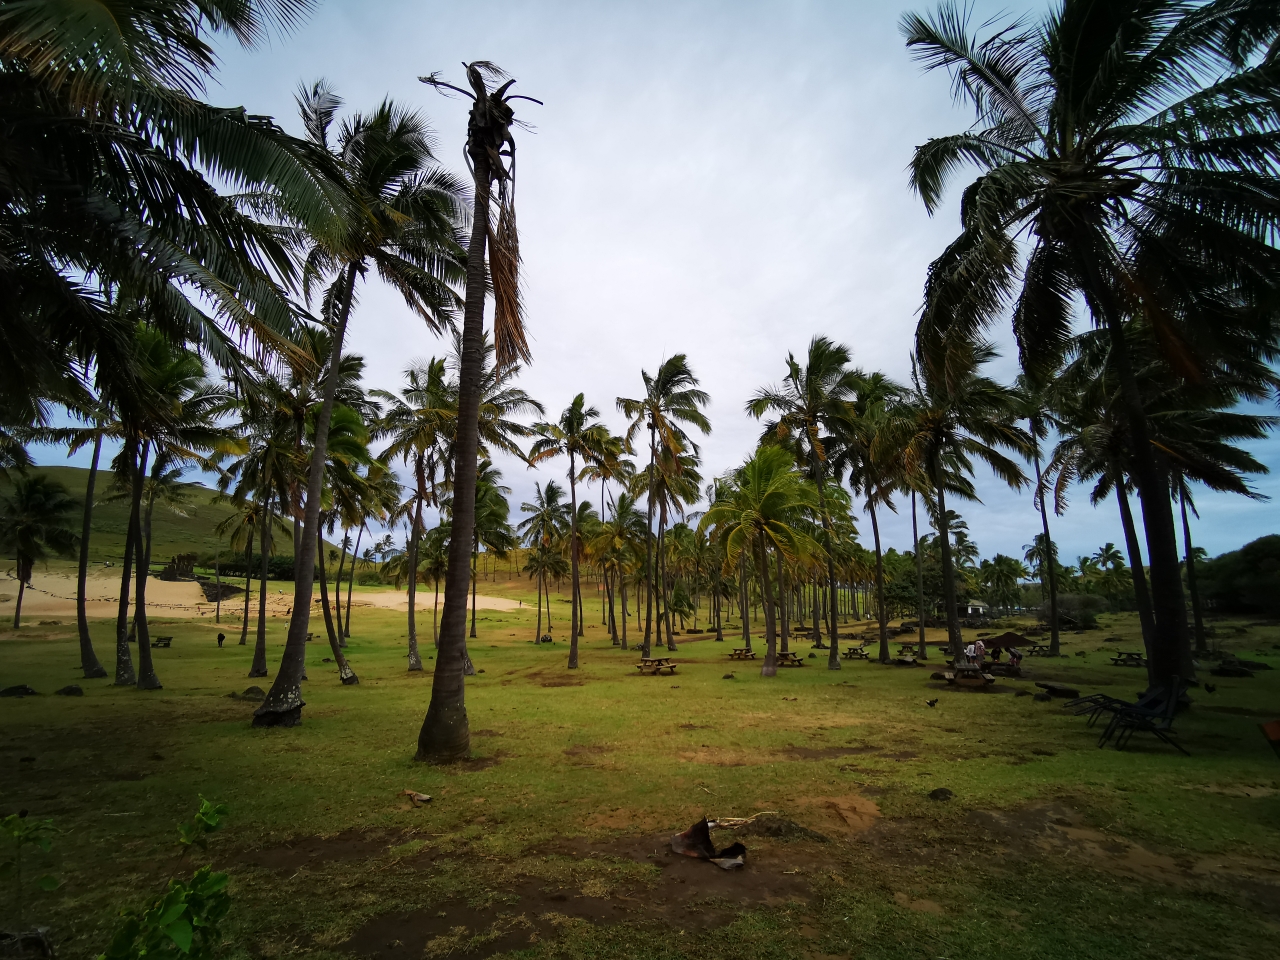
[
  {"x": 215, "y": 883},
  {"x": 48, "y": 883},
  {"x": 172, "y": 913},
  {"x": 180, "y": 933}
]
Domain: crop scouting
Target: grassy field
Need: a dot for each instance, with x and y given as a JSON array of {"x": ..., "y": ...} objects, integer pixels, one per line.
[{"x": 552, "y": 840}]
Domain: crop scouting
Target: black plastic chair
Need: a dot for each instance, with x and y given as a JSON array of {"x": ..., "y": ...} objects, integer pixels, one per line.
[{"x": 1156, "y": 720}]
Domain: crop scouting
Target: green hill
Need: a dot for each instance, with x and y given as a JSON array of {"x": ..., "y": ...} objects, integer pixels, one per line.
[{"x": 170, "y": 533}]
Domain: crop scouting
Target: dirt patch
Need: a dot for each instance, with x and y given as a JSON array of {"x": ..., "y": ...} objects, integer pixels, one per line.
[
  {"x": 719, "y": 757},
  {"x": 473, "y": 764},
  {"x": 300, "y": 852},
  {"x": 586, "y": 749},
  {"x": 778, "y": 828},
  {"x": 848, "y": 814},
  {"x": 486, "y": 733},
  {"x": 824, "y": 753}
]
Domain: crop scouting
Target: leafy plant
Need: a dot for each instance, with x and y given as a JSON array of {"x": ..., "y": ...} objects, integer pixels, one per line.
[
  {"x": 25, "y": 833},
  {"x": 184, "y": 921}
]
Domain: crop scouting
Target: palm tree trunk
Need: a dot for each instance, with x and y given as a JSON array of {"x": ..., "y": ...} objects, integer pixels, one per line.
[
  {"x": 147, "y": 679},
  {"x": 537, "y": 637},
  {"x": 648, "y": 550},
  {"x": 1201, "y": 646},
  {"x": 742, "y": 599},
  {"x": 345, "y": 673},
  {"x": 248, "y": 587},
  {"x": 622, "y": 587},
  {"x": 475, "y": 553},
  {"x": 217, "y": 580},
  {"x": 17, "y": 610},
  {"x": 948, "y": 571},
  {"x": 833, "y": 651},
  {"x": 770, "y": 666},
  {"x": 783, "y": 626},
  {"x": 346, "y": 630},
  {"x": 880, "y": 609},
  {"x": 923, "y": 652},
  {"x": 415, "y": 539},
  {"x": 259, "y": 667},
  {"x": 611, "y": 617},
  {"x": 445, "y": 733},
  {"x": 1140, "y": 592},
  {"x": 284, "y": 703},
  {"x": 1054, "y": 638},
  {"x": 89, "y": 664},
  {"x": 125, "y": 677},
  {"x": 337, "y": 592}
]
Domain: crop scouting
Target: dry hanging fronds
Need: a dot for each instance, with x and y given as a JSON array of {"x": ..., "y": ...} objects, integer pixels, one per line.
[{"x": 511, "y": 345}]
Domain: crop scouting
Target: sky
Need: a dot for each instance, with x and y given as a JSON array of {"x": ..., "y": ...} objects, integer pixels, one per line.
[{"x": 720, "y": 179}]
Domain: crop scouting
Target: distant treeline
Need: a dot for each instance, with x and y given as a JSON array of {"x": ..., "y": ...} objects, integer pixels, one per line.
[{"x": 278, "y": 568}]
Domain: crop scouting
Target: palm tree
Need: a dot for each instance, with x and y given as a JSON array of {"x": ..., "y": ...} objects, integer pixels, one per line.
[
  {"x": 1036, "y": 400},
  {"x": 617, "y": 542},
  {"x": 955, "y": 416},
  {"x": 808, "y": 404},
  {"x": 404, "y": 226},
  {"x": 33, "y": 524},
  {"x": 581, "y": 436},
  {"x": 765, "y": 499},
  {"x": 671, "y": 400},
  {"x": 1126, "y": 151}
]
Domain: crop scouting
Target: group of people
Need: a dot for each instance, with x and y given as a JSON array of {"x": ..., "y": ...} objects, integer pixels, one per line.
[{"x": 976, "y": 652}]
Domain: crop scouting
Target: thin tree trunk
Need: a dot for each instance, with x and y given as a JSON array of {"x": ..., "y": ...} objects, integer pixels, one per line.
[
  {"x": 217, "y": 579},
  {"x": 611, "y": 619},
  {"x": 474, "y": 555},
  {"x": 1201, "y": 646},
  {"x": 89, "y": 664},
  {"x": 648, "y": 550},
  {"x": 923, "y": 652},
  {"x": 833, "y": 651},
  {"x": 948, "y": 571},
  {"x": 622, "y": 588},
  {"x": 147, "y": 679},
  {"x": 770, "y": 666},
  {"x": 1140, "y": 592},
  {"x": 125, "y": 675},
  {"x": 345, "y": 673},
  {"x": 248, "y": 585},
  {"x": 784, "y": 633},
  {"x": 17, "y": 610},
  {"x": 1054, "y": 627},
  {"x": 284, "y": 703},
  {"x": 259, "y": 667},
  {"x": 742, "y": 599},
  {"x": 337, "y": 593},
  {"x": 880, "y": 611},
  {"x": 537, "y": 637},
  {"x": 415, "y": 540},
  {"x": 346, "y": 630},
  {"x": 445, "y": 733}
]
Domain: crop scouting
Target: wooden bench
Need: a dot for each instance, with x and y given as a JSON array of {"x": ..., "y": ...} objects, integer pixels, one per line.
[
  {"x": 162, "y": 642},
  {"x": 655, "y": 665},
  {"x": 968, "y": 674},
  {"x": 856, "y": 653},
  {"x": 1038, "y": 650},
  {"x": 742, "y": 653},
  {"x": 789, "y": 659},
  {"x": 1129, "y": 658}
]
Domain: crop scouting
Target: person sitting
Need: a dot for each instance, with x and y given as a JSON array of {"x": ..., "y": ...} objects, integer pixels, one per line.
[{"x": 970, "y": 654}]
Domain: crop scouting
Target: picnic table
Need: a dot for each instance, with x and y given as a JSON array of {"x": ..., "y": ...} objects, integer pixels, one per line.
[
  {"x": 856, "y": 653},
  {"x": 1129, "y": 658},
  {"x": 968, "y": 673},
  {"x": 906, "y": 649},
  {"x": 789, "y": 659},
  {"x": 1038, "y": 650},
  {"x": 162, "y": 642},
  {"x": 655, "y": 665},
  {"x": 742, "y": 653}
]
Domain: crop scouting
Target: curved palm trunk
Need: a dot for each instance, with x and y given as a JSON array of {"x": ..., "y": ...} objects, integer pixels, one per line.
[
  {"x": 259, "y": 667},
  {"x": 17, "y": 610},
  {"x": 147, "y": 679},
  {"x": 1054, "y": 638},
  {"x": 345, "y": 673},
  {"x": 948, "y": 570},
  {"x": 125, "y": 675},
  {"x": 648, "y": 550},
  {"x": 880, "y": 608},
  {"x": 1140, "y": 592},
  {"x": 415, "y": 537},
  {"x": 337, "y": 592},
  {"x": 445, "y": 733},
  {"x": 248, "y": 589},
  {"x": 89, "y": 664},
  {"x": 284, "y": 703},
  {"x": 1201, "y": 647},
  {"x": 922, "y": 653},
  {"x": 833, "y": 631},
  {"x": 770, "y": 666},
  {"x": 622, "y": 588},
  {"x": 346, "y": 630},
  {"x": 610, "y": 613}
]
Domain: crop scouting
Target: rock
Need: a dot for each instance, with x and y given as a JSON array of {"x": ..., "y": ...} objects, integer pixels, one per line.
[
  {"x": 1041, "y": 697},
  {"x": 70, "y": 690},
  {"x": 255, "y": 694},
  {"x": 18, "y": 690},
  {"x": 942, "y": 793},
  {"x": 481, "y": 670},
  {"x": 727, "y": 676},
  {"x": 813, "y": 656}
]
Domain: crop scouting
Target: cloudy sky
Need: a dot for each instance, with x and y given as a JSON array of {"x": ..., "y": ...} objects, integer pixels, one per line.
[{"x": 722, "y": 179}]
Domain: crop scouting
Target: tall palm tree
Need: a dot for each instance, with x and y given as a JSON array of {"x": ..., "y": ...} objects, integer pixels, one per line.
[
  {"x": 617, "y": 542},
  {"x": 404, "y": 226},
  {"x": 671, "y": 400},
  {"x": 957, "y": 415},
  {"x": 580, "y": 435},
  {"x": 547, "y": 520},
  {"x": 808, "y": 404},
  {"x": 1127, "y": 153},
  {"x": 1036, "y": 400},
  {"x": 766, "y": 498},
  {"x": 34, "y": 520}
]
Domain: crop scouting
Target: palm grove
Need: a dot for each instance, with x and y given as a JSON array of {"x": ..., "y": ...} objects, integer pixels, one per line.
[{"x": 181, "y": 280}]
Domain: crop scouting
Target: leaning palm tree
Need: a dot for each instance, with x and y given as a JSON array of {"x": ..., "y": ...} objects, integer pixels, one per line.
[
  {"x": 671, "y": 400},
  {"x": 808, "y": 405},
  {"x": 404, "y": 226},
  {"x": 580, "y": 435},
  {"x": 34, "y": 520},
  {"x": 766, "y": 498},
  {"x": 1127, "y": 152}
]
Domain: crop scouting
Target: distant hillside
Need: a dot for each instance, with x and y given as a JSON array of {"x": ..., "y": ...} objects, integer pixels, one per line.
[{"x": 171, "y": 534}]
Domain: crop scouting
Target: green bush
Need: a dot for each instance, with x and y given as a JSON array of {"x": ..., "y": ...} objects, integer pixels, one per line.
[{"x": 1245, "y": 580}]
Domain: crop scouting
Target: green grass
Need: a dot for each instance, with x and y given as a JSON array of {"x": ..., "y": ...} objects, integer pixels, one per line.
[{"x": 1159, "y": 855}]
